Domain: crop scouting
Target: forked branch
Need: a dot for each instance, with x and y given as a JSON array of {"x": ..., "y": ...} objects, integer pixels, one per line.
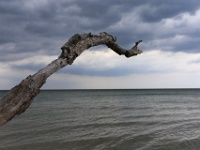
[{"x": 19, "y": 98}]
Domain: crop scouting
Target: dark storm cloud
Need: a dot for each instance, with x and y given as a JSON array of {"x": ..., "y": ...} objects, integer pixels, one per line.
[
  {"x": 158, "y": 10},
  {"x": 64, "y": 18},
  {"x": 32, "y": 26}
]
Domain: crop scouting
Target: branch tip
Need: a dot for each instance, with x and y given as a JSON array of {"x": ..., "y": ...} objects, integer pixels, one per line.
[{"x": 138, "y": 42}]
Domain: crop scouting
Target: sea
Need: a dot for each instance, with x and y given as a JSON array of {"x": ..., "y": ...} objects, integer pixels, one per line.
[{"x": 119, "y": 119}]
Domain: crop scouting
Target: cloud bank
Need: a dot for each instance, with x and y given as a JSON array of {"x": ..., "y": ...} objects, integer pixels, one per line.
[{"x": 32, "y": 32}]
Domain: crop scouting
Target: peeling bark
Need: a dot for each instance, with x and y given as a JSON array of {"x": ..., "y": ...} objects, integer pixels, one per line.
[{"x": 19, "y": 98}]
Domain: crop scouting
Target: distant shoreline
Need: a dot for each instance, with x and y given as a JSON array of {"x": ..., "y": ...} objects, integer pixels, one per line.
[{"x": 116, "y": 89}]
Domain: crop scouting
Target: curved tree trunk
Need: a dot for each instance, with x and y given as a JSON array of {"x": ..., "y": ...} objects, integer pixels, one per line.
[{"x": 19, "y": 98}]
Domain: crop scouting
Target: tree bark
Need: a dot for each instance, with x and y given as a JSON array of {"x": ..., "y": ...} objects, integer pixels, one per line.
[{"x": 19, "y": 98}]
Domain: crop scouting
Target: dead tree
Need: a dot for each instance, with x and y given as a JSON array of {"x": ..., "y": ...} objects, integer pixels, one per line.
[{"x": 19, "y": 98}]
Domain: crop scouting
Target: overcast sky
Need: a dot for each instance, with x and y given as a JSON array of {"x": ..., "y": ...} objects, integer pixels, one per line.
[{"x": 32, "y": 32}]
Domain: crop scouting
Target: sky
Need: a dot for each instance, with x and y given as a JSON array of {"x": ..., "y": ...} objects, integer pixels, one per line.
[{"x": 32, "y": 32}]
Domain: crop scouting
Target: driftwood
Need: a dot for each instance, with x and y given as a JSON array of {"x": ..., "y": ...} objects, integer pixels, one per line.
[{"x": 19, "y": 98}]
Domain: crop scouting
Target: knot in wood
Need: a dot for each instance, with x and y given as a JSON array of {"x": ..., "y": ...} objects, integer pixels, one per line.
[{"x": 67, "y": 48}]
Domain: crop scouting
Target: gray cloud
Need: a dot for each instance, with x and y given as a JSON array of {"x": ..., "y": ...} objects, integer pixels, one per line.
[
  {"x": 30, "y": 67},
  {"x": 78, "y": 70},
  {"x": 158, "y": 10},
  {"x": 31, "y": 27}
]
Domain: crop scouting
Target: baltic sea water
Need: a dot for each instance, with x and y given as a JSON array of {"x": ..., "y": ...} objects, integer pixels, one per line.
[{"x": 167, "y": 119}]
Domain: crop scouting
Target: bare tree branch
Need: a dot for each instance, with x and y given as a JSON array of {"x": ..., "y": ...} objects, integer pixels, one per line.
[{"x": 19, "y": 98}]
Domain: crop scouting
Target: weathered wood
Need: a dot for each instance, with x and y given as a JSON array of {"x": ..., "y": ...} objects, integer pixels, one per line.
[{"x": 19, "y": 98}]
